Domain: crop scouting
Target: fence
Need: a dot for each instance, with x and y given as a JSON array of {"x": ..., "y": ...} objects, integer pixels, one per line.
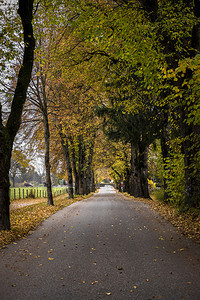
[{"x": 22, "y": 193}]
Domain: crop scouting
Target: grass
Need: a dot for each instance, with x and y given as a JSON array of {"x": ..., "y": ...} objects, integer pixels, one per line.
[
  {"x": 35, "y": 192},
  {"x": 24, "y": 220},
  {"x": 187, "y": 223}
]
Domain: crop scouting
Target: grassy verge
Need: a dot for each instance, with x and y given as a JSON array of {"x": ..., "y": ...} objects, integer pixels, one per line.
[
  {"x": 187, "y": 223},
  {"x": 25, "y": 219}
]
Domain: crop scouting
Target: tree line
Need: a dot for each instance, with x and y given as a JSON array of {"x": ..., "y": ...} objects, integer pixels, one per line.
[{"x": 127, "y": 68}]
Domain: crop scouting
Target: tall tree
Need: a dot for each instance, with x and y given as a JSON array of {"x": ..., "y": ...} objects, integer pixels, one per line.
[
  {"x": 178, "y": 46},
  {"x": 9, "y": 130},
  {"x": 163, "y": 46}
]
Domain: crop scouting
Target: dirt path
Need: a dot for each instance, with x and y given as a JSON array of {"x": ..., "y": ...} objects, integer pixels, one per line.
[{"x": 22, "y": 203}]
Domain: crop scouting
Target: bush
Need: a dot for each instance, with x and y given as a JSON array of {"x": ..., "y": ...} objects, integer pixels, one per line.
[{"x": 175, "y": 175}]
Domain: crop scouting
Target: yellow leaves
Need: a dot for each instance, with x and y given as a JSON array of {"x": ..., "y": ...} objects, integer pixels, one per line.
[
  {"x": 134, "y": 287},
  {"x": 24, "y": 219},
  {"x": 50, "y": 258},
  {"x": 176, "y": 89},
  {"x": 108, "y": 294}
]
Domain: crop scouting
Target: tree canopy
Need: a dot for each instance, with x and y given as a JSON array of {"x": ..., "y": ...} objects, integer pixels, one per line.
[{"x": 127, "y": 68}]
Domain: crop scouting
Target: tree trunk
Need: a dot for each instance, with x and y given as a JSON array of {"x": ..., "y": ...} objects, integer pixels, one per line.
[
  {"x": 74, "y": 166},
  {"x": 190, "y": 149},
  {"x": 138, "y": 179},
  {"x": 5, "y": 157},
  {"x": 133, "y": 184},
  {"x": 81, "y": 168},
  {"x": 127, "y": 180},
  {"x": 143, "y": 173},
  {"x": 8, "y": 133},
  {"x": 65, "y": 147},
  {"x": 13, "y": 180},
  {"x": 93, "y": 183},
  {"x": 47, "y": 159},
  {"x": 89, "y": 172},
  {"x": 44, "y": 108}
]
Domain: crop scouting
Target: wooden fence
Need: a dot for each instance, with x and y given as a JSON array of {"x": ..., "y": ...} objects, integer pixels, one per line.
[{"x": 22, "y": 193}]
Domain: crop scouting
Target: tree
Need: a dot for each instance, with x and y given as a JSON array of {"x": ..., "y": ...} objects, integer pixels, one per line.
[
  {"x": 181, "y": 46},
  {"x": 38, "y": 100},
  {"x": 9, "y": 130},
  {"x": 20, "y": 165},
  {"x": 163, "y": 48}
]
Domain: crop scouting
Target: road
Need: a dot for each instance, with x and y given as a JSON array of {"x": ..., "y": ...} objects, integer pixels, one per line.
[{"x": 105, "y": 247}]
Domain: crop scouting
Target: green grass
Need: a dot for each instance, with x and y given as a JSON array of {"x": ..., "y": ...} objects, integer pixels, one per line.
[{"x": 34, "y": 192}]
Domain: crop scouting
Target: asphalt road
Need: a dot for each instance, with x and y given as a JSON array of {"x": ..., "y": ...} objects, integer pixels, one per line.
[{"x": 105, "y": 247}]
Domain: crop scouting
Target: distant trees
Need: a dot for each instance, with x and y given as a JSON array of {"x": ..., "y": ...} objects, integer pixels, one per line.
[{"x": 20, "y": 165}]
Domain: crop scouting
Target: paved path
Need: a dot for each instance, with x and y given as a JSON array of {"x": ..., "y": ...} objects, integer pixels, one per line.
[{"x": 106, "y": 247}]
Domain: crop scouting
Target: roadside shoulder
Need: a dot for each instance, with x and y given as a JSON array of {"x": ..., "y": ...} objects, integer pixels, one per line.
[{"x": 187, "y": 223}]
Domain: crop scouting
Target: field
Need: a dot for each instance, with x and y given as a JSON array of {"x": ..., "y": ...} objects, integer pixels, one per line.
[{"x": 35, "y": 192}]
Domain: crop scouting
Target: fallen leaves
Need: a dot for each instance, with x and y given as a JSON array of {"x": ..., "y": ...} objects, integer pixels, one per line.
[
  {"x": 187, "y": 223},
  {"x": 134, "y": 287},
  {"x": 26, "y": 219}
]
